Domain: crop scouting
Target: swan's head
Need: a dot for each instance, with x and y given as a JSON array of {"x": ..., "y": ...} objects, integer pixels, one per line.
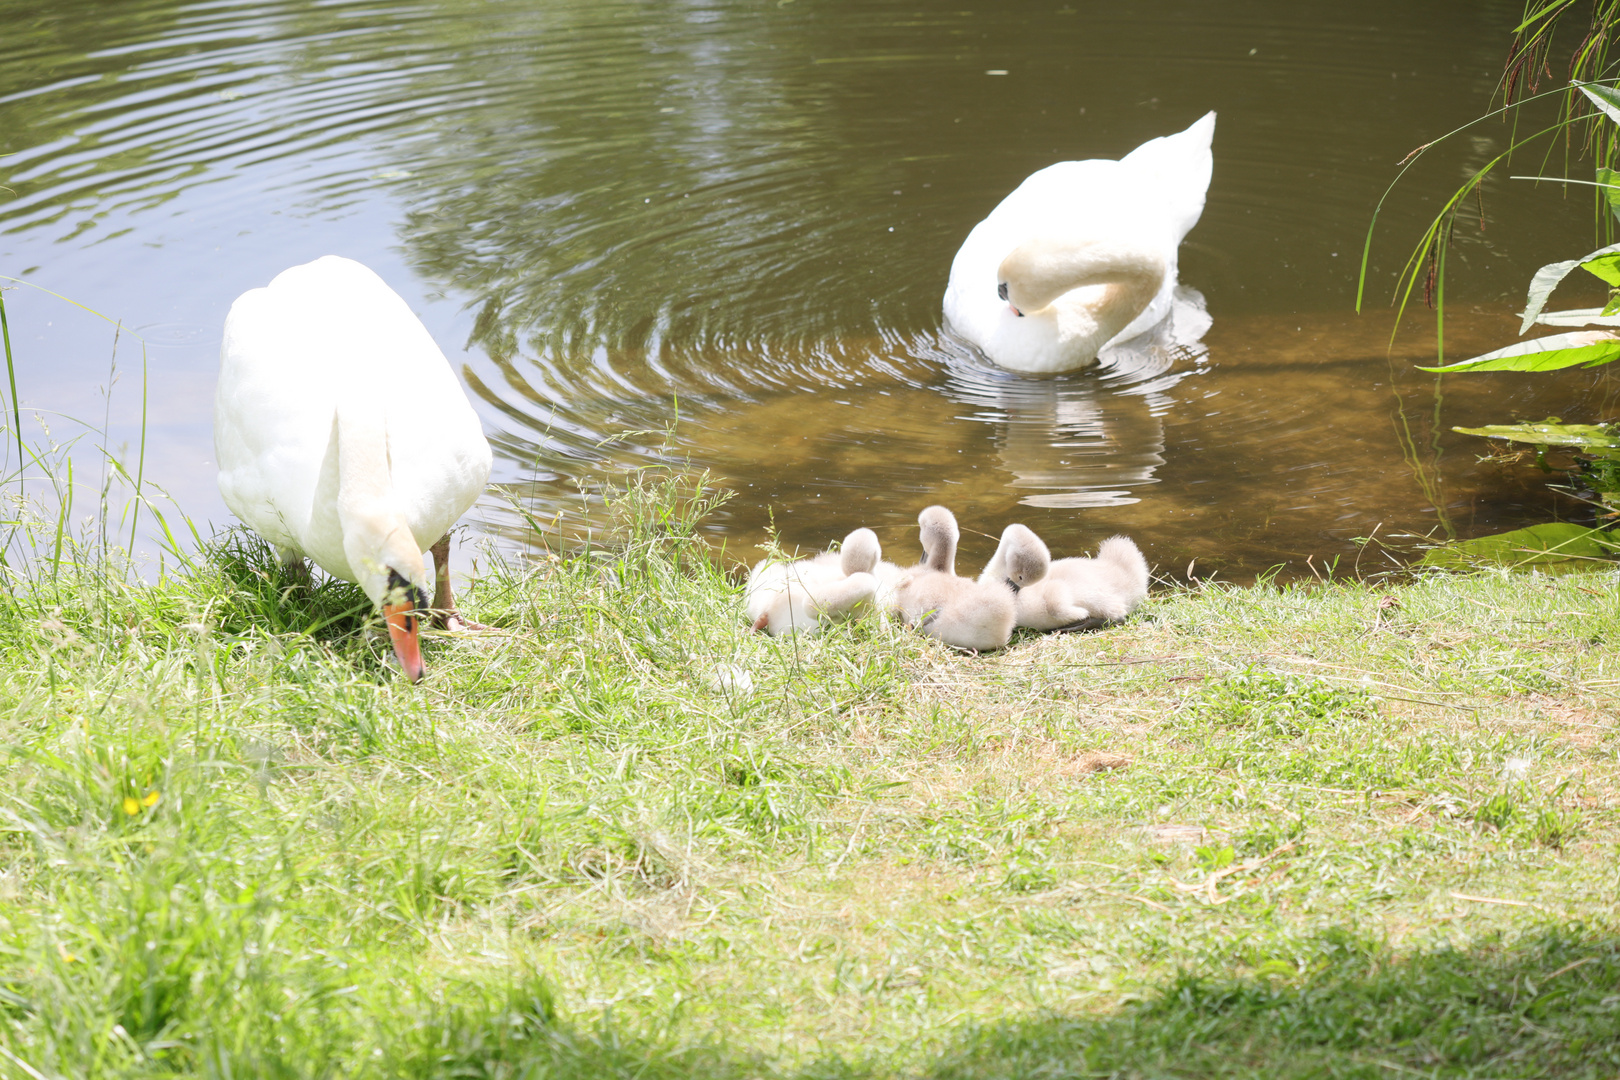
[
  {"x": 1024, "y": 556},
  {"x": 403, "y": 608},
  {"x": 389, "y": 567},
  {"x": 1037, "y": 272},
  {"x": 939, "y": 535},
  {"x": 860, "y": 553}
]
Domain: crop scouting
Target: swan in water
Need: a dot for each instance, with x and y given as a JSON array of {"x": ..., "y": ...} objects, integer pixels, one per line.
[
  {"x": 785, "y": 598},
  {"x": 342, "y": 434},
  {"x": 961, "y": 612},
  {"x": 1068, "y": 594},
  {"x": 1081, "y": 255}
]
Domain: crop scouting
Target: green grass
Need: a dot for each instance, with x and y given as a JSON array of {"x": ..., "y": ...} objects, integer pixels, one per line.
[{"x": 1337, "y": 830}]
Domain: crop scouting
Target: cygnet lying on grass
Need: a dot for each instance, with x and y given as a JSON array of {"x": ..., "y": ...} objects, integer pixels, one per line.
[
  {"x": 961, "y": 612},
  {"x": 799, "y": 596},
  {"x": 887, "y": 573},
  {"x": 1069, "y": 594}
]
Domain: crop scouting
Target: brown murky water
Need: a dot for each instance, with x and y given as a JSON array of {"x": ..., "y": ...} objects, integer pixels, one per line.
[{"x": 612, "y": 213}]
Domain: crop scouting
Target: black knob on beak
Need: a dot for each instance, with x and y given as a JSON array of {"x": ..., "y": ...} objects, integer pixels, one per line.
[{"x": 1001, "y": 290}]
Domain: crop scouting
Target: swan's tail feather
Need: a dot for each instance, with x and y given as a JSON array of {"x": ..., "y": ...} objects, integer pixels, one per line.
[
  {"x": 1179, "y": 166},
  {"x": 1125, "y": 558}
]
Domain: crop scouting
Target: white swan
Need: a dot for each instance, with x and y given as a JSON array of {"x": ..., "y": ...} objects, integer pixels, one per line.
[
  {"x": 342, "y": 434},
  {"x": 961, "y": 612},
  {"x": 1069, "y": 594},
  {"x": 797, "y": 597},
  {"x": 1082, "y": 254}
]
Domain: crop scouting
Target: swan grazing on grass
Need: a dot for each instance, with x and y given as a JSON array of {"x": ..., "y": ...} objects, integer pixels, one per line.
[
  {"x": 1081, "y": 255},
  {"x": 1069, "y": 594},
  {"x": 342, "y": 434},
  {"x": 961, "y": 612},
  {"x": 797, "y": 597}
]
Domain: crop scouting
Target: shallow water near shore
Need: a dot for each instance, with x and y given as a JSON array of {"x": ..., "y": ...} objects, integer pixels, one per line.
[{"x": 735, "y": 222}]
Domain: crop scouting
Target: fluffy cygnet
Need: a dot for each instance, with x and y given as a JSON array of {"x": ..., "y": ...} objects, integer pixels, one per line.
[
  {"x": 782, "y": 598},
  {"x": 1069, "y": 594},
  {"x": 861, "y": 553},
  {"x": 961, "y": 612}
]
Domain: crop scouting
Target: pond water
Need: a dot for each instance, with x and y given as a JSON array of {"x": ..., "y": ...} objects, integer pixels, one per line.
[{"x": 732, "y": 222}]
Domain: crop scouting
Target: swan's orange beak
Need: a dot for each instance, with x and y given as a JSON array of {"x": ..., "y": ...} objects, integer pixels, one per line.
[{"x": 403, "y": 625}]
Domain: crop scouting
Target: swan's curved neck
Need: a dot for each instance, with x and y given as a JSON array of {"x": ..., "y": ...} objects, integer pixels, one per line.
[
  {"x": 941, "y": 552},
  {"x": 1040, "y": 271},
  {"x": 996, "y": 568},
  {"x": 364, "y": 475},
  {"x": 376, "y": 534}
]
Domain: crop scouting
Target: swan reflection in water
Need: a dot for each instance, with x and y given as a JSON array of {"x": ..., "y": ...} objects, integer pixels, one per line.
[{"x": 1091, "y": 439}]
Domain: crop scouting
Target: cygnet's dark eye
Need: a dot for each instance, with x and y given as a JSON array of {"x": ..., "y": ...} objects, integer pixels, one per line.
[{"x": 1001, "y": 290}]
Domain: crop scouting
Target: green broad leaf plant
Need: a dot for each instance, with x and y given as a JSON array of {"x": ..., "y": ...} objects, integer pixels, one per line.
[{"x": 1596, "y": 446}]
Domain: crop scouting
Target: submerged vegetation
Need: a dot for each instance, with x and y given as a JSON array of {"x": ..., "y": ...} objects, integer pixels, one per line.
[{"x": 1336, "y": 829}]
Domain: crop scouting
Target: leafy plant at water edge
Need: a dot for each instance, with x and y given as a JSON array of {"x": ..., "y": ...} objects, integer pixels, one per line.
[
  {"x": 1551, "y": 544},
  {"x": 1584, "y": 348},
  {"x": 1588, "y": 111},
  {"x": 1575, "y": 120}
]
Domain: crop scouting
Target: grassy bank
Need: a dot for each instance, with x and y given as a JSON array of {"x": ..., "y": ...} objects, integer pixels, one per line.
[{"x": 1344, "y": 829}]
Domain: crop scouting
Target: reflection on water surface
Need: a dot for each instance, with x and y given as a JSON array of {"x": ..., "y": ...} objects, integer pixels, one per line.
[{"x": 611, "y": 212}]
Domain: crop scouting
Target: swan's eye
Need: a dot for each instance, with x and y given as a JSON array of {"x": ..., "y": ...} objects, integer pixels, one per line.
[{"x": 1001, "y": 290}]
